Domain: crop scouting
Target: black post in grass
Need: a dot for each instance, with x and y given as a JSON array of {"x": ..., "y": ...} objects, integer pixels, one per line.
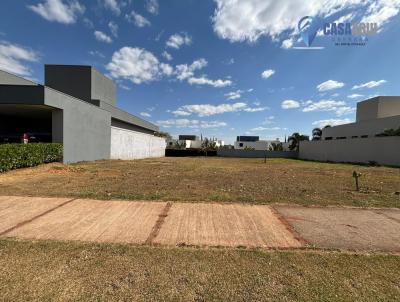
[{"x": 356, "y": 175}]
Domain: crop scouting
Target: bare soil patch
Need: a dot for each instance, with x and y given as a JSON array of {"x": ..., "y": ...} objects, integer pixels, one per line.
[
  {"x": 95, "y": 220},
  {"x": 345, "y": 228},
  {"x": 224, "y": 225},
  {"x": 15, "y": 210}
]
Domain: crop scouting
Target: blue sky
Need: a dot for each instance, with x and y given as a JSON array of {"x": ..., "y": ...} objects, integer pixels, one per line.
[{"x": 221, "y": 68}]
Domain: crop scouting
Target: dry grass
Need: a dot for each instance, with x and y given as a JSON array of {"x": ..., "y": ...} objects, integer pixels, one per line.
[
  {"x": 91, "y": 272},
  {"x": 211, "y": 179}
]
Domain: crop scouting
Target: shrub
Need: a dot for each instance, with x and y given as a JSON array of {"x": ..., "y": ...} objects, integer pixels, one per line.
[{"x": 14, "y": 156}]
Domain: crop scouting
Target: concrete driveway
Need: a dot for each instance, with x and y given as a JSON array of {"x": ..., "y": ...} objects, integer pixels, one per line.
[{"x": 199, "y": 224}]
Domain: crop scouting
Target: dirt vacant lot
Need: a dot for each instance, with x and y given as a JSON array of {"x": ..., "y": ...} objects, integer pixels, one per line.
[
  {"x": 61, "y": 271},
  {"x": 210, "y": 179}
]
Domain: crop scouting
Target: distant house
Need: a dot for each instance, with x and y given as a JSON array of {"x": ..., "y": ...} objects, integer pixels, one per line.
[
  {"x": 191, "y": 142},
  {"x": 253, "y": 143},
  {"x": 76, "y": 107},
  {"x": 373, "y": 117}
]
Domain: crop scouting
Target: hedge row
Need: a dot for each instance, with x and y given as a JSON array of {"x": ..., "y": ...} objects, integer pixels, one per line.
[{"x": 14, "y": 156}]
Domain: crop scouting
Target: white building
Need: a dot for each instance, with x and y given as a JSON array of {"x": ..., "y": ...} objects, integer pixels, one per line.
[
  {"x": 192, "y": 142},
  {"x": 358, "y": 142},
  {"x": 253, "y": 143},
  {"x": 373, "y": 117}
]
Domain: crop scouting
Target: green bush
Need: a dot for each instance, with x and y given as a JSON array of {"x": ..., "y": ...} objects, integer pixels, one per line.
[{"x": 14, "y": 156}]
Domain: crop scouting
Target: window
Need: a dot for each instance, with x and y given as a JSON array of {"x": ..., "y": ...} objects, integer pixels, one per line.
[
  {"x": 240, "y": 144},
  {"x": 354, "y": 136},
  {"x": 364, "y": 136},
  {"x": 328, "y": 138}
]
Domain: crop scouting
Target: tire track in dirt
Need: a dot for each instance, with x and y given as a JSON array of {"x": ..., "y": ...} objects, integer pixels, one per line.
[
  {"x": 35, "y": 217},
  {"x": 160, "y": 221}
]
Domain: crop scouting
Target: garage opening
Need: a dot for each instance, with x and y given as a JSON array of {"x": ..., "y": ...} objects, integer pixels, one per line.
[{"x": 33, "y": 120}]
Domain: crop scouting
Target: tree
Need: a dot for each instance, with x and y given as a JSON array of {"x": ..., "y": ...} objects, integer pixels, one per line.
[
  {"x": 208, "y": 145},
  {"x": 276, "y": 147},
  {"x": 295, "y": 139},
  {"x": 179, "y": 145},
  {"x": 316, "y": 134}
]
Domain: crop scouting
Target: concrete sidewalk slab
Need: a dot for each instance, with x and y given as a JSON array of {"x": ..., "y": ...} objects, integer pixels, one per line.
[
  {"x": 224, "y": 225},
  {"x": 16, "y": 209},
  {"x": 346, "y": 228},
  {"x": 95, "y": 220}
]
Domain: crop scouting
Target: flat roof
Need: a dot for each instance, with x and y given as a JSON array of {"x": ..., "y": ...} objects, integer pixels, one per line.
[{"x": 34, "y": 94}]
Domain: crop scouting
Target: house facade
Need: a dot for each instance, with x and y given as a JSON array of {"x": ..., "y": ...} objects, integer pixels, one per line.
[
  {"x": 76, "y": 106},
  {"x": 360, "y": 142},
  {"x": 253, "y": 143}
]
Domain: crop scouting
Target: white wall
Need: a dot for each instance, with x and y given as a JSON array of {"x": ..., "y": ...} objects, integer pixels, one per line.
[
  {"x": 128, "y": 144},
  {"x": 383, "y": 150}
]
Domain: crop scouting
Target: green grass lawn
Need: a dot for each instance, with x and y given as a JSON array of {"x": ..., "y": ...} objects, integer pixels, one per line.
[
  {"x": 211, "y": 179},
  {"x": 90, "y": 272}
]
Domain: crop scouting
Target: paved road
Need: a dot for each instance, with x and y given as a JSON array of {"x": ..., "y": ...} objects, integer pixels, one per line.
[{"x": 199, "y": 224}]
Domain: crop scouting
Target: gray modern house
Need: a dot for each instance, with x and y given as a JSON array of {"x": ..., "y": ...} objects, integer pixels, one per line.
[
  {"x": 361, "y": 142},
  {"x": 76, "y": 107}
]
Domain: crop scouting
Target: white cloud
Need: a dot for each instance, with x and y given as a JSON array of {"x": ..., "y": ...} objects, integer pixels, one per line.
[
  {"x": 167, "y": 55},
  {"x": 205, "y": 81},
  {"x": 324, "y": 105},
  {"x": 186, "y": 123},
  {"x": 145, "y": 114},
  {"x": 137, "y": 65},
  {"x": 137, "y": 19},
  {"x": 166, "y": 69},
  {"x": 370, "y": 84},
  {"x": 233, "y": 95},
  {"x": 331, "y": 122},
  {"x": 58, "y": 11},
  {"x": 267, "y": 73},
  {"x": 290, "y": 104},
  {"x": 12, "y": 57},
  {"x": 96, "y": 53},
  {"x": 258, "y": 129},
  {"x": 256, "y": 109},
  {"x": 212, "y": 124},
  {"x": 113, "y": 6},
  {"x": 354, "y": 96},
  {"x": 152, "y": 6},
  {"x": 113, "y": 28},
  {"x": 181, "y": 113},
  {"x": 238, "y": 20},
  {"x": 208, "y": 109},
  {"x": 185, "y": 71},
  {"x": 230, "y": 61},
  {"x": 381, "y": 11},
  {"x": 329, "y": 85},
  {"x": 286, "y": 44},
  {"x": 102, "y": 37},
  {"x": 177, "y": 40},
  {"x": 339, "y": 107},
  {"x": 268, "y": 120}
]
